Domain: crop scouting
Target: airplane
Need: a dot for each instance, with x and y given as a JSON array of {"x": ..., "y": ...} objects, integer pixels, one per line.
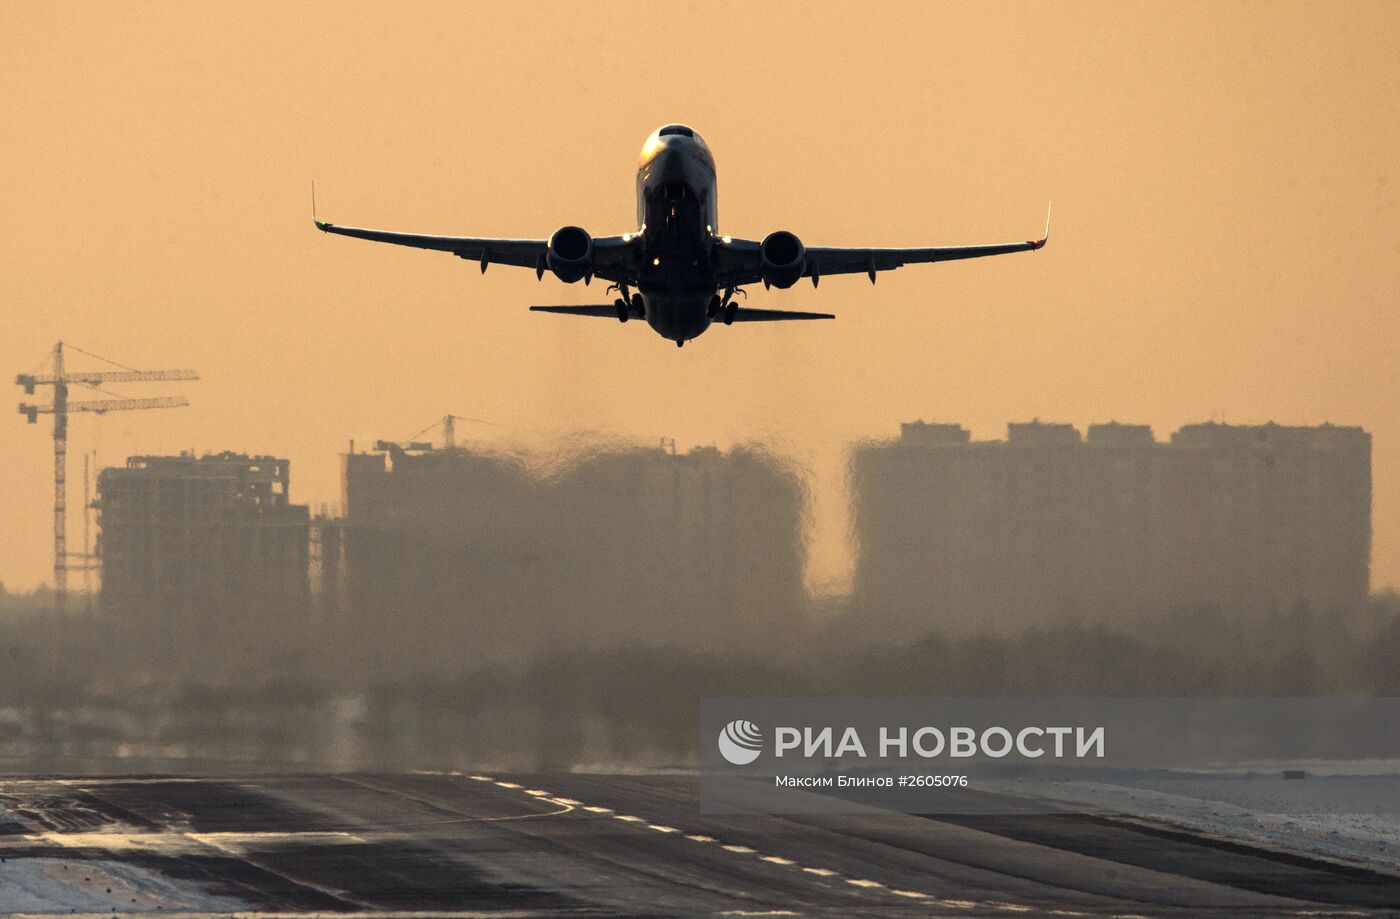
[{"x": 676, "y": 271}]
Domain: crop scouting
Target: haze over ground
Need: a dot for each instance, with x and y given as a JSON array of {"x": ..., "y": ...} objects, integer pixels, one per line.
[{"x": 1226, "y": 240}]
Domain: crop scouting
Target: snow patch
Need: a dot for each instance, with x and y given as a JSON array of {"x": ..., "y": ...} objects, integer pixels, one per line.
[{"x": 49, "y": 885}]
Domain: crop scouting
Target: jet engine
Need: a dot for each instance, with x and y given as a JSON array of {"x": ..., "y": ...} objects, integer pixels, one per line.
[
  {"x": 783, "y": 258},
  {"x": 570, "y": 254}
]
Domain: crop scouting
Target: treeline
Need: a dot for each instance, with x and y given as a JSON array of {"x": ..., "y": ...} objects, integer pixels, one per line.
[{"x": 86, "y": 692}]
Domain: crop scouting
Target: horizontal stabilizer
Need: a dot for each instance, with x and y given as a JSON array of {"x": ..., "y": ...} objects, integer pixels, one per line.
[
  {"x": 605, "y": 310},
  {"x": 748, "y": 315},
  {"x": 609, "y": 311}
]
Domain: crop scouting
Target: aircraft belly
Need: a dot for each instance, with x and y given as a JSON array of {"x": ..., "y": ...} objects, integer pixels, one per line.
[{"x": 677, "y": 318}]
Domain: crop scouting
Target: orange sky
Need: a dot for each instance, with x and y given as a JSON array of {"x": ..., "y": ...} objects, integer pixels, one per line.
[{"x": 1227, "y": 222}]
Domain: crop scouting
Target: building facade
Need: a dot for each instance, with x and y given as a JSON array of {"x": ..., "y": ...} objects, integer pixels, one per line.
[
  {"x": 496, "y": 558},
  {"x": 201, "y": 543},
  {"x": 1050, "y": 526}
]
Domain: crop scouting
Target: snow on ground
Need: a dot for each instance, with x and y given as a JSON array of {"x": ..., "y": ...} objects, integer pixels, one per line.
[
  {"x": 94, "y": 885},
  {"x": 1348, "y": 812},
  {"x": 58, "y": 885}
]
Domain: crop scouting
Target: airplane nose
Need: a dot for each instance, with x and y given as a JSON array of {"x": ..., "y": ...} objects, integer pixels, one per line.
[{"x": 668, "y": 167}]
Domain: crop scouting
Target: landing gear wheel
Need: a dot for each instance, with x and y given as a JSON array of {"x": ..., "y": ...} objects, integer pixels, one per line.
[
  {"x": 623, "y": 314},
  {"x": 639, "y": 306},
  {"x": 716, "y": 304},
  {"x": 730, "y": 312}
]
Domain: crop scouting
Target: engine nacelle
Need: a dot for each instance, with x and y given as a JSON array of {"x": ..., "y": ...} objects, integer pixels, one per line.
[
  {"x": 783, "y": 258},
  {"x": 570, "y": 254}
]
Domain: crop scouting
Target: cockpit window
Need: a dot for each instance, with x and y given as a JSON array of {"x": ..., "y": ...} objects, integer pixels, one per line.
[{"x": 676, "y": 129}]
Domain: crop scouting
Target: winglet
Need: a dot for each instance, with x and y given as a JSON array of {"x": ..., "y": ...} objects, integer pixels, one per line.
[
  {"x": 320, "y": 224},
  {"x": 1036, "y": 244}
]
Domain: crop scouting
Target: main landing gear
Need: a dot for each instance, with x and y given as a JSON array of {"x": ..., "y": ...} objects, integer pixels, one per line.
[
  {"x": 628, "y": 305},
  {"x": 726, "y": 309}
]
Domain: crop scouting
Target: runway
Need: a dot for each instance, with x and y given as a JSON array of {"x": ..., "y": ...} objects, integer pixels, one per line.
[{"x": 627, "y": 845}]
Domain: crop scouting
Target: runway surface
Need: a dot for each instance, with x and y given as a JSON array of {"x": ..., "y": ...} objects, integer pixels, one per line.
[{"x": 566, "y": 845}]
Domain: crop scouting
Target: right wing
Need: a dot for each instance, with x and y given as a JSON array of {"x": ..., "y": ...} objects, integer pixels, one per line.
[
  {"x": 737, "y": 261},
  {"x": 614, "y": 256}
]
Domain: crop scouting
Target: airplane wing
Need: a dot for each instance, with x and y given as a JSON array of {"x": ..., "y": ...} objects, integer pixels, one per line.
[
  {"x": 738, "y": 259},
  {"x": 614, "y": 256}
]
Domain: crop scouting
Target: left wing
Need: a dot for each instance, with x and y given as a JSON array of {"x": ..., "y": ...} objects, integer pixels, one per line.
[
  {"x": 738, "y": 259},
  {"x": 614, "y": 256}
]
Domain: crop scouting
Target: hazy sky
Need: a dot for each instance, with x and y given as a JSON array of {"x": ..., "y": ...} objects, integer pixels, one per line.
[{"x": 1226, "y": 241}]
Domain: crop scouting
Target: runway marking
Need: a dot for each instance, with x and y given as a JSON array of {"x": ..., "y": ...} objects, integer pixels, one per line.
[
  {"x": 480, "y": 778},
  {"x": 462, "y": 818},
  {"x": 863, "y": 883}
]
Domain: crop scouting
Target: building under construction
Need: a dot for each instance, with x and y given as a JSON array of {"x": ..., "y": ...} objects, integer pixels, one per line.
[
  {"x": 1048, "y": 526},
  {"x": 480, "y": 555},
  {"x": 206, "y": 543}
]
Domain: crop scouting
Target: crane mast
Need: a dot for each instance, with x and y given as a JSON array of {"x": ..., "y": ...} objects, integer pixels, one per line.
[
  {"x": 60, "y": 481},
  {"x": 60, "y": 407}
]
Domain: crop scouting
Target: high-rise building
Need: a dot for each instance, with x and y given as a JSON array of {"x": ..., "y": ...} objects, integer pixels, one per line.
[
  {"x": 201, "y": 544},
  {"x": 490, "y": 558},
  {"x": 1049, "y": 527}
]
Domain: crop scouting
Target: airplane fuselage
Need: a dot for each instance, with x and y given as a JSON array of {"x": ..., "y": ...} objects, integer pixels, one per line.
[{"x": 678, "y": 220}]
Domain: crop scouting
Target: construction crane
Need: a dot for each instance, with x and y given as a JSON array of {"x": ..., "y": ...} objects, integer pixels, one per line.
[
  {"x": 448, "y": 424},
  {"x": 61, "y": 379}
]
